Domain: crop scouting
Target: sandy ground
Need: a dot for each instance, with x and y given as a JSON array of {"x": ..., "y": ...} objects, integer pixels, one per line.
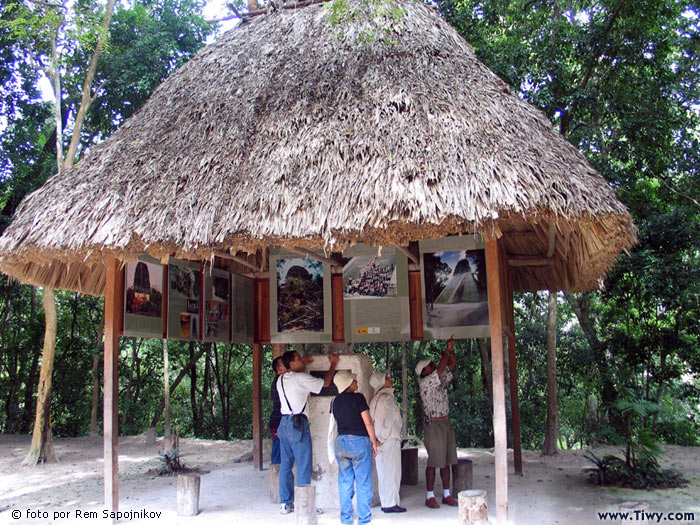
[{"x": 551, "y": 491}]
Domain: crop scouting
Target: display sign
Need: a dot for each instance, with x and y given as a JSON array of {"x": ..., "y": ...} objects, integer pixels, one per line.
[
  {"x": 241, "y": 309},
  {"x": 217, "y": 305},
  {"x": 184, "y": 300},
  {"x": 453, "y": 281},
  {"x": 143, "y": 298},
  {"x": 375, "y": 295},
  {"x": 300, "y": 299}
]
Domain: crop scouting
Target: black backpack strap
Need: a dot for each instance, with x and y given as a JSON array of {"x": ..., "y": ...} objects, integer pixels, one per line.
[{"x": 287, "y": 400}]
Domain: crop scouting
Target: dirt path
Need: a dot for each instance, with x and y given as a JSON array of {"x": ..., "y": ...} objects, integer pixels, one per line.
[{"x": 552, "y": 491}]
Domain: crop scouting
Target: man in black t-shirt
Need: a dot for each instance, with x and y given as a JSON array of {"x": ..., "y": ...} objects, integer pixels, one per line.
[{"x": 355, "y": 447}]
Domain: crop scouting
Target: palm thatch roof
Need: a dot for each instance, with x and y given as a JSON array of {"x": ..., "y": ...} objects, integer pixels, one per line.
[{"x": 284, "y": 133}]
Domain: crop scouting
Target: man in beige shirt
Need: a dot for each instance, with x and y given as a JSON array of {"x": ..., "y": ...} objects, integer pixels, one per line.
[{"x": 387, "y": 426}]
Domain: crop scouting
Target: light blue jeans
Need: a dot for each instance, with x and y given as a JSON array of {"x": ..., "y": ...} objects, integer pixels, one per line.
[
  {"x": 295, "y": 446},
  {"x": 354, "y": 455}
]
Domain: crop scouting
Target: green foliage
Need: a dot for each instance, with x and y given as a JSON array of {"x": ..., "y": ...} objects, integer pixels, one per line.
[
  {"x": 377, "y": 19},
  {"x": 170, "y": 462},
  {"x": 640, "y": 467}
]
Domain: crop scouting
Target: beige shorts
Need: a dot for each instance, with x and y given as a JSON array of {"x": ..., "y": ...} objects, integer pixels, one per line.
[{"x": 440, "y": 443}]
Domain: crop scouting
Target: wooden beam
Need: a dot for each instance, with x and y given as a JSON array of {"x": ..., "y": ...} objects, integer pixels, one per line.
[
  {"x": 239, "y": 260},
  {"x": 496, "y": 296},
  {"x": 338, "y": 311},
  {"x": 415, "y": 302},
  {"x": 257, "y": 407},
  {"x": 111, "y": 387},
  {"x": 527, "y": 260},
  {"x": 314, "y": 255},
  {"x": 412, "y": 257}
]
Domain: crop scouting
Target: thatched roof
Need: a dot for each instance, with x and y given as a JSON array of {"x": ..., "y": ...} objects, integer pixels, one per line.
[{"x": 283, "y": 134}]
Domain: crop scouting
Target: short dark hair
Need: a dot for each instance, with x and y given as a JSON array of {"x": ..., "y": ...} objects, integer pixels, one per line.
[
  {"x": 275, "y": 363},
  {"x": 288, "y": 357}
]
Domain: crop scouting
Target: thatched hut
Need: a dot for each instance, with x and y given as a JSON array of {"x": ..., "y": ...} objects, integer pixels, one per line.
[{"x": 291, "y": 132}]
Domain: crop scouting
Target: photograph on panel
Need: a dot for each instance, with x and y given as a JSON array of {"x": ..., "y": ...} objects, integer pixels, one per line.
[
  {"x": 299, "y": 294},
  {"x": 366, "y": 277},
  {"x": 455, "y": 288},
  {"x": 144, "y": 289}
]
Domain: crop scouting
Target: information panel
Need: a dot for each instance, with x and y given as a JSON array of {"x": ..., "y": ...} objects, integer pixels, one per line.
[
  {"x": 375, "y": 295},
  {"x": 300, "y": 299},
  {"x": 217, "y": 305},
  {"x": 184, "y": 300},
  {"x": 453, "y": 281},
  {"x": 241, "y": 309},
  {"x": 143, "y": 298}
]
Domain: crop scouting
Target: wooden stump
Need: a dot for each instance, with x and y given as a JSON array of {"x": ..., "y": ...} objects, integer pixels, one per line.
[
  {"x": 187, "y": 495},
  {"x": 305, "y": 504},
  {"x": 461, "y": 475},
  {"x": 151, "y": 436},
  {"x": 409, "y": 466},
  {"x": 473, "y": 507},
  {"x": 274, "y": 483},
  {"x": 630, "y": 507}
]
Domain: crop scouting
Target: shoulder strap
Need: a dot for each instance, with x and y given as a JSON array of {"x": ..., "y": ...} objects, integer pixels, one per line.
[
  {"x": 285, "y": 393},
  {"x": 287, "y": 400}
]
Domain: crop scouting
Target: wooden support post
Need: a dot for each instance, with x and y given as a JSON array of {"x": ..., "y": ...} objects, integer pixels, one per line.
[
  {"x": 496, "y": 295},
  {"x": 305, "y": 504},
  {"x": 278, "y": 349},
  {"x": 187, "y": 495},
  {"x": 415, "y": 301},
  {"x": 274, "y": 483},
  {"x": 261, "y": 307},
  {"x": 338, "y": 312},
  {"x": 409, "y": 466},
  {"x": 473, "y": 507},
  {"x": 111, "y": 386},
  {"x": 257, "y": 406},
  {"x": 513, "y": 374},
  {"x": 462, "y": 475}
]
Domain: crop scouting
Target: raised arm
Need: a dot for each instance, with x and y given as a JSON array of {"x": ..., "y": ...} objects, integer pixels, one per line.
[
  {"x": 328, "y": 378},
  {"x": 452, "y": 359},
  {"x": 442, "y": 365}
]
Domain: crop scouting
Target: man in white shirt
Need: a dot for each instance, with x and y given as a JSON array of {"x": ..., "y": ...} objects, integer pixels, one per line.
[
  {"x": 293, "y": 432},
  {"x": 387, "y": 426}
]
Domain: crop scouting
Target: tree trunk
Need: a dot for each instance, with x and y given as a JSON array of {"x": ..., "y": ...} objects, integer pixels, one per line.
[
  {"x": 552, "y": 432},
  {"x": 41, "y": 449},
  {"x": 196, "y": 416},
  {"x": 404, "y": 391},
  {"x": 95, "y": 372},
  {"x": 166, "y": 391},
  {"x": 175, "y": 384},
  {"x": 486, "y": 382},
  {"x": 581, "y": 307}
]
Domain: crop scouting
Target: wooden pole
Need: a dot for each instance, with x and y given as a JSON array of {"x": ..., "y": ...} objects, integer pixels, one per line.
[
  {"x": 415, "y": 301},
  {"x": 496, "y": 292},
  {"x": 188, "y": 494},
  {"x": 111, "y": 386},
  {"x": 338, "y": 312},
  {"x": 257, "y": 407},
  {"x": 513, "y": 374}
]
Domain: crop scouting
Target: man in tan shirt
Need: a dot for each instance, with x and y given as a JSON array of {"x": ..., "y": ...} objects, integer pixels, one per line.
[{"x": 439, "y": 436}]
